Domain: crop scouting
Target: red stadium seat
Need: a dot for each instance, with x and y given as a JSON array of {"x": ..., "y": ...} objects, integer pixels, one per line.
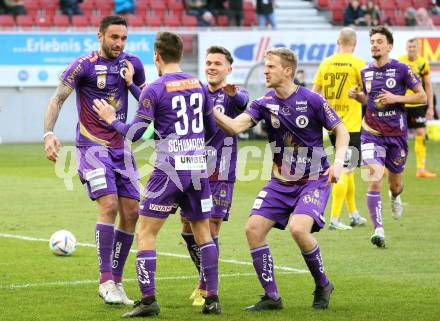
[
  {"x": 135, "y": 21},
  {"x": 436, "y": 20},
  {"x": 421, "y": 4},
  {"x": 61, "y": 21},
  {"x": 249, "y": 19},
  {"x": 44, "y": 22},
  {"x": 80, "y": 21},
  {"x": 24, "y": 21},
  {"x": 32, "y": 4},
  {"x": 175, "y": 5},
  {"x": 390, "y": 13},
  {"x": 404, "y": 4},
  {"x": 189, "y": 21},
  {"x": 142, "y": 7},
  {"x": 399, "y": 20},
  {"x": 87, "y": 5},
  {"x": 171, "y": 21},
  {"x": 159, "y": 13},
  {"x": 158, "y": 7},
  {"x": 49, "y": 4},
  {"x": 336, "y": 5},
  {"x": 337, "y": 15},
  {"x": 153, "y": 21},
  {"x": 95, "y": 21},
  {"x": 222, "y": 21},
  {"x": 6, "y": 21},
  {"x": 387, "y": 5},
  {"x": 322, "y": 4},
  {"x": 104, "y": 5},
  {"x": 188, "y": 47}
]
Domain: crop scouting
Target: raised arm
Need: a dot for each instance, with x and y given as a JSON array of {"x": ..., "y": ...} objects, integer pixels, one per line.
[
  {"x": 51, "y": 143},
  {"x": 233, "y": 126}
]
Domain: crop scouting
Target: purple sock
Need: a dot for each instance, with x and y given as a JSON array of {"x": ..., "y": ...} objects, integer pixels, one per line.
[
  {"x": 121, "y": 247},
  {"x": 374, "y": 204},
  {"x": 104, "y": 240},
  {"x": 209, "y": 266},
  {"x": 146, "y": 269},
  {"x": 316, "y": 266},
  {"x": 216, "y": 241},
  {"x": 263, "y": 264}
]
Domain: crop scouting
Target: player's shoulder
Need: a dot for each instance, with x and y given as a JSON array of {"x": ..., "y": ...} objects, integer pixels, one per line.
[
  {"x": 368, "y": 67},
  {"x": 403, "y": 58},
  {"x": 131, "y": 57},
  {"x": 86, "y": 59},
  {"x": 313, "y": 98},
  {"x": 267, "y": 98},
  {"x": 358, "y": 61}
]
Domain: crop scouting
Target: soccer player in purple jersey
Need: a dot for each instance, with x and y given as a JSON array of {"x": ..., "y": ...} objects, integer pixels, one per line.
[
  {"x": 180, "y": 107},
  {"x": 222, "y": 154},
  {"x": 384, "y": 128},
  {"x": 100, "y": 149},
  {"x": 301, "y": 176}
]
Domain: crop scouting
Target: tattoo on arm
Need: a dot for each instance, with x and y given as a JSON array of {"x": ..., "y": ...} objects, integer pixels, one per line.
[{"x": 56, "y": 102}]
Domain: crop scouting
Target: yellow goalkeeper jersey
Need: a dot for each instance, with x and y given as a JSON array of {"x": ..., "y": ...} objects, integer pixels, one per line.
[
  {"x": 337, "y": 74},
  {"x": 421, "y": 68}
]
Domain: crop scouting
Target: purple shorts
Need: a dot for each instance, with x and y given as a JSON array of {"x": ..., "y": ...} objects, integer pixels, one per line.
[
  {"x": 221, "y": 199},
  {"x": 388, "y": 151},
  {"x": 163, "y": 196},
  {"x": 276, "y": 201},
  {"x": 105, "y": 171}
]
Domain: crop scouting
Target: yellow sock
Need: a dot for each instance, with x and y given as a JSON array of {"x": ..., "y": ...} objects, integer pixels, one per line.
[
  {"x": 420, "y": 150},
  {"x": 350, "y": 198},
  {"x": 338, "y": 196}
]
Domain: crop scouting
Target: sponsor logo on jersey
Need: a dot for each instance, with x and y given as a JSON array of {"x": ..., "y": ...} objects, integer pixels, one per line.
[
  {"x": 184, "y": 84},
  {"x": 273, "y": 108},
  {"x": 390, "y": 82},
  {"x": 100, "y": 67},
  {"x": 302, "y": 121}
]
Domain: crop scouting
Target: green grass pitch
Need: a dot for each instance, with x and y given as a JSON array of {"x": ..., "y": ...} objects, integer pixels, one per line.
[{"x": 399, "y": 283}]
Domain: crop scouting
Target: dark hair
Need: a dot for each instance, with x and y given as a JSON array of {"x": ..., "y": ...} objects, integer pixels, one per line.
[
  {"x": 169, "y": 46},
  {"x": 111, "y": 20},
  {"x": 384, "y": 31},
  {"x": 220, "y": 50}
]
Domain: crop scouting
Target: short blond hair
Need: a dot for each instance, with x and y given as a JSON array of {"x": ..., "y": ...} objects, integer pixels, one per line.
[
  {"x": 347, "y": 37},
  {"x": 287, "y": 56}
]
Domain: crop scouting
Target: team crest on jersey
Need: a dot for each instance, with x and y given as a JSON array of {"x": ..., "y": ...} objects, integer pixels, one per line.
[
  {"x": 275, "y": 121},
  {"x": 220, "y": 108},
  {"x": 302, "y": 121},
  {"x": 285, "y": 110},
  {"x": 101, "y": 81},
  {"x": 146, "y": 103},
  {"x": 316, "y": 193},
  {"x": 390, "y": 83},
  {"x": 368, "y": 86}
]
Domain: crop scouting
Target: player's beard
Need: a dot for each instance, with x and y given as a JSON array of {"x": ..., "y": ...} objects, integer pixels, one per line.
[
  {"x": 108, "y": 51},
  {"x": 376, "y": 57}
]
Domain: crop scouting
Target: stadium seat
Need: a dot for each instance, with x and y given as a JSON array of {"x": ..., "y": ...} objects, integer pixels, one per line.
[
  {"x": 404, "y": 4},
  {"x": 135, "y": 21},
  {"x": 61, "y": 21},
  {"x": 322, "y": 4},
  {"x": 104, "y": 5},
  {"x": 175, "y": 5},
  {"x": 188, "y": 21},
  {"x": 249, "y": 19},
  {"x": 142, "y": 7},
  {"x": 32, "y": 4},
  {"x": 390, "y": 13},
  {"x": 52, "y": 5},
  {"x": 80, "y": 21},
  {"x": 436, "y": 20},
  {"x": 336, "y": 5},
  {"x": 171, "y": 21},
  {"x": 421, "y": 4},
  {"x": 158, "y": 13},
  {"x": 158, "y": 7},
  {"x": 44, "y": 22},
  {"x": 337, "y": 15},
  {"x": 399, "y": 20},
  {"x": 95, "y": 20},
  {"x": 153, "y": 21},
  {"x": 87, "y": 5},
  {"x": 6, "y": 21},
  {"x": 24, "y": 21},
  {"x": 222, "y": 21},
  {"x": 387, "y": 5}
]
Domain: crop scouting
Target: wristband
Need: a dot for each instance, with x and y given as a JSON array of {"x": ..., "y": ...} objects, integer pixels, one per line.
[{"x": 47, "y": 134}]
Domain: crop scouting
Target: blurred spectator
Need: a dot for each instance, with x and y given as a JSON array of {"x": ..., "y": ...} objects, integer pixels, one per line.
[
  {"x": 387, "y": 22},
  {"x": 353, "y": 14},
  {"x": 199, "y": 9},
  {"x": 265, "y": 13},
  {"x": 71, "y": 7},
  {"x": 2, "y": 7},
  {"x": 216, "y": 7},
  {"x": 300, "y": 78},
  {"x": 124, "y": 6},
  {"x": 410, "y": 19},
  {"x": 372, "y": 9},
  {"x": 235, "y": 12},
  {"x": 368, "y": 21},
  {"x": 423, "y": 19},
  {"x": 15, "y": 7}
]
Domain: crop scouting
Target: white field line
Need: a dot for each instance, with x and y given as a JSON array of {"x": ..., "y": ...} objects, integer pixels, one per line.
[
  {"x": 232, "y": 261},
  {"x": 159, "y": 278}
]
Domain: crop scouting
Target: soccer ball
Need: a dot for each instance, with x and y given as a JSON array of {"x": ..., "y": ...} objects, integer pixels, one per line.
[{"x": 62, "y": 243}]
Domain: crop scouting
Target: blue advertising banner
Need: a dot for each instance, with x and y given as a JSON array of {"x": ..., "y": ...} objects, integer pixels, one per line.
[{"x": 37, "y": 59}]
